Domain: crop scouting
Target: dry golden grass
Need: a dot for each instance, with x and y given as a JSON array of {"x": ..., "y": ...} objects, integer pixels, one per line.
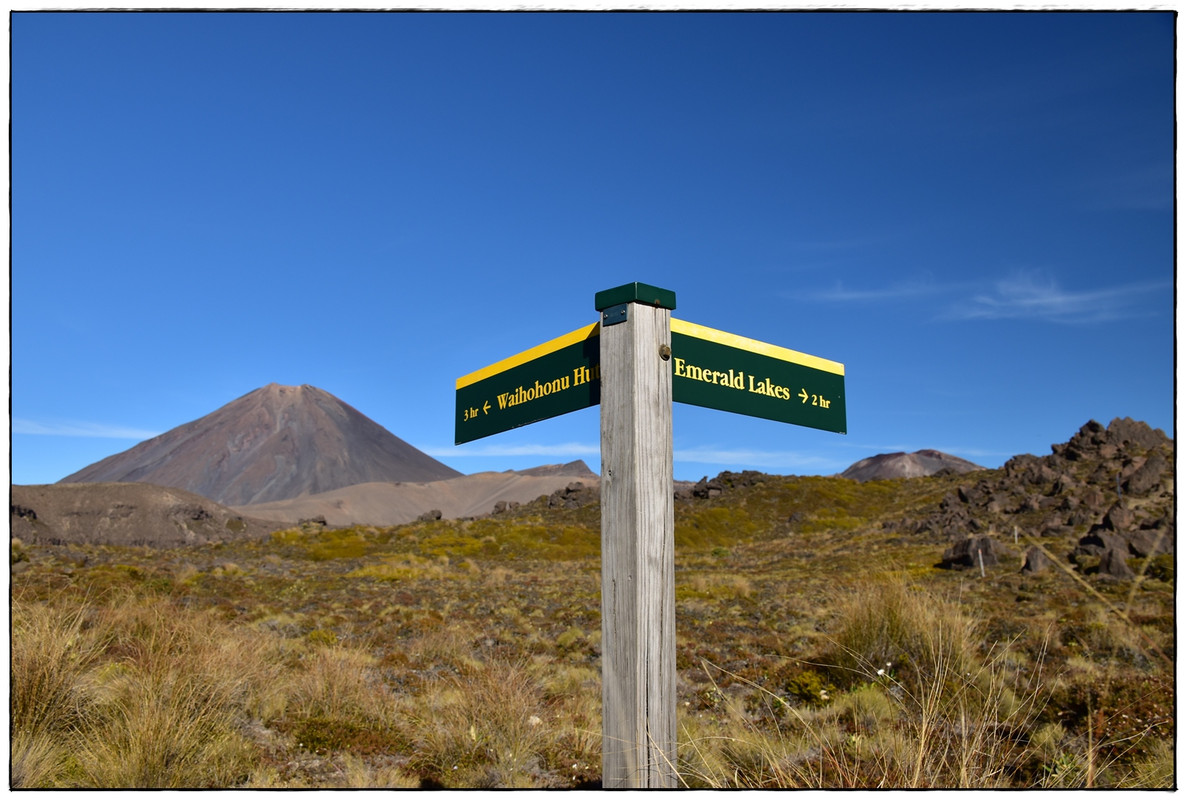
[
  {"x": 922, "y": 710},
  {"x": 441, "y": 654}
]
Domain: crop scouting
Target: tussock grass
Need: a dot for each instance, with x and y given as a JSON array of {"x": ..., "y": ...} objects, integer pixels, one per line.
[
  {"x": 467, "y": 654},
  {"x": 135, "y": 697},
  {"x": 923, "y": 709},
  {"x": 482, "y": 728},
  {"x": 52, "y": 649},
  {"x": 173, "y": 728},
  {"x": 887, "y": 625}
]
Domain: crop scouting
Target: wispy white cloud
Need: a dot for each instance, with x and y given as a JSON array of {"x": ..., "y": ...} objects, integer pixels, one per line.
[
  {"x": 1023, "y": 295},
  {"x": 566, "y": 450},
  {"x": 95, "y": 430},
  {"x": 901, "y": 291},
  {"x": 1030, "y": 295}
]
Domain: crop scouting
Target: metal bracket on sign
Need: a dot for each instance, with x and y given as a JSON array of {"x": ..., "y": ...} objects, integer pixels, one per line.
[{"x": 614, "y": 314}]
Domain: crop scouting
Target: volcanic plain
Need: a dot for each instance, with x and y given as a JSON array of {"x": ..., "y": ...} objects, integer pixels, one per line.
[{"x": 1003, "y": 628}]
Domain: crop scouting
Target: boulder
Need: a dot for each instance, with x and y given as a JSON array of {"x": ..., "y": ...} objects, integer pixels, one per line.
[
  {"x": 1036, "y": 561},
  {"x": 1063, "y": 484},
  {"x": 1152, "y": 541},
  {"x": 1125, "y": 432},
  {"x": 1093, "y": 498},
  {"x": 1086, "y": 441},
  {"x": 972, "y": 552},
  {"x": 574, "y": 495},
  {"x": 705, "y": 488},
  {"x": 1114, "y": 565},
  {"x": 1100, "y": 541},
  {"x": 1118, "y": 519},
  {"x": 1148, "y": 476}
]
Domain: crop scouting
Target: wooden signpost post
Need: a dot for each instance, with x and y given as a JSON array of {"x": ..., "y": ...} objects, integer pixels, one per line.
[
  {"x": 637, "y": 540},
  {"x": 635, "y": 362}
]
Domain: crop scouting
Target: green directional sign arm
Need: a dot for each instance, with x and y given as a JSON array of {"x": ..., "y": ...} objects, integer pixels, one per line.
[
  {"x": 554, "y": 378},
  {"x": 725, "y": 371}
]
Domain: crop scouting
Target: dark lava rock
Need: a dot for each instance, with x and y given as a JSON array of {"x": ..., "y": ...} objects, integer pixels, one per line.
[
  {"x": 1118, "y": 519},
  {"x": 1114, "y": 565},
  {"x": 1126, "y": 431},
  {"x": 1106, "y": 482},
  {"x": 503, "y": 506},
  {"x": 1152, "y": 541},
  {"x": 574, "y": 495},
  {"x": 1099, "y": 541},
  {"x": 1147, "y": 476},
  {"x": 1036, "y": 561},
  {"x": 971, "y": 552}
]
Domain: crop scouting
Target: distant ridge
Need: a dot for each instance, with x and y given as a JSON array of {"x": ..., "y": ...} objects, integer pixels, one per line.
[
  {"x": 275, "y": 443},
  {"x": 125, "y": 514},
  {"x": 907, "y": 465},
  {"x": 573, "y": 469}
]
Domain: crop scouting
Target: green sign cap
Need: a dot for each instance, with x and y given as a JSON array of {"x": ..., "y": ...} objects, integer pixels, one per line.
[{"x": 635, "y": 293}]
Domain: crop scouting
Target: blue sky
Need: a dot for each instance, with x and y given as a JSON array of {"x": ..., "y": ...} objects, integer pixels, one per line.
[{"x": 972, "y": 211}]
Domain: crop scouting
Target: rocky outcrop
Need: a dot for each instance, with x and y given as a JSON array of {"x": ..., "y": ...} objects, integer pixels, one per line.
[
  {"x": 1101, "y": 500},
  {"x": 708, "y": 487},
  {"x": 128, "y": 514},
  {"x": 575, "y": 495}
]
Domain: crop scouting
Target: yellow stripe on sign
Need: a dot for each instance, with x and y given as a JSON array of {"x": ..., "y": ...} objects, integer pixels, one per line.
[
  {"x": 560, "y": 342},
  {"x": 754, "y": 346}
]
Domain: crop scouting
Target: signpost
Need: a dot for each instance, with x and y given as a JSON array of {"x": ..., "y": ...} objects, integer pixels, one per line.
[{"x": 635, "y": 363}]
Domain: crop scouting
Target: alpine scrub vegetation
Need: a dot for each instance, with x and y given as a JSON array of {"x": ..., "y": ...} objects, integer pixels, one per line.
[{"x": 819, "y": 645}]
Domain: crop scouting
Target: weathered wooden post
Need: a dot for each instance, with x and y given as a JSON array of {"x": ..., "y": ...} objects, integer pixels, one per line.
[{"x": 638, "y": 737}]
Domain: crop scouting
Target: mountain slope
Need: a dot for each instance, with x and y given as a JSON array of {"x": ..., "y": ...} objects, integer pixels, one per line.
[
  {"x": 275, "y": 443},
  {"x": 906, "y": 465},
  {"x": 399, "y": 503}
]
